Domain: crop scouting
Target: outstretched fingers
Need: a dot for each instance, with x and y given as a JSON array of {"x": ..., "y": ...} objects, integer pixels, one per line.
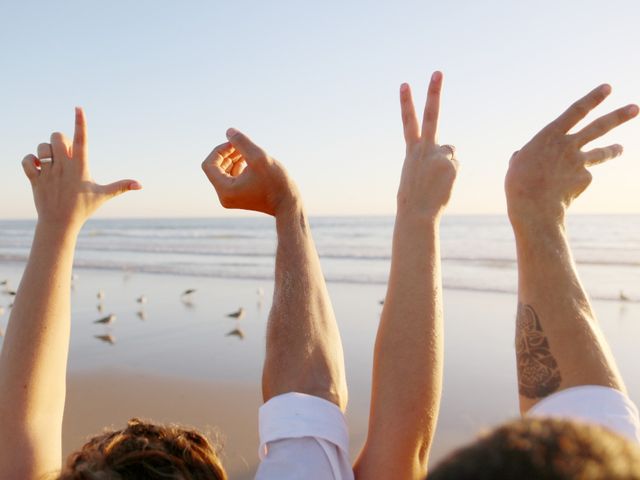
[
  {"x": 601, "y": 155},
  {"x": 79, "y": 148},
  {"x": 118, "y": 188},
  {"x": 604, "y": 124},
  {"x": 578, "y": 110},
  {"x": 432, "y": 109},
  {"x": 409, "y": 119}
]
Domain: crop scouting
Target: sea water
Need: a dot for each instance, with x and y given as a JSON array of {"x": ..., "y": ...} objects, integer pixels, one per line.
[{"x": 478, "y": 252}]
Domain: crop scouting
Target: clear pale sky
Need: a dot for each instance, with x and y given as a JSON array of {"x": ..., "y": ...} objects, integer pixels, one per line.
[{"x": 316, "y": 84}]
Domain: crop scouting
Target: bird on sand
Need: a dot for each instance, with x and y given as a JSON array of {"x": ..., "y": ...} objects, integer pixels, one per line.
[
  {"x": 12, "y": 292},
  {"x": 239, "y": 314},
  {"x": 4, "y": 283},
  {"x": 142, "y": 315},
  {"x": 100, "y": 295},
  {"x": 142, "y": 299},
  {"x": 623, "y": 297},
  {"x": 110, "y": 339},
  {"x": 188, "y": 292},
  {"x": 106, "y": 320},
  {"x": 100, "y": 307},
  {"x": 236, "y": 332}
]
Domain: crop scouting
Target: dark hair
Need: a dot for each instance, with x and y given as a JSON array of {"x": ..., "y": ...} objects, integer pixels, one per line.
[
  {"x": 543, "y": 448},
  {"x": 145, "y": 450}
]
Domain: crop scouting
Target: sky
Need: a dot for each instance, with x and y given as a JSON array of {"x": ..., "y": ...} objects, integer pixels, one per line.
[{"x": 316, "y": 85}]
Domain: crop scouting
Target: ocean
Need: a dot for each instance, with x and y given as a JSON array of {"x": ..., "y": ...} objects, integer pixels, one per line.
[{"x": 478, "y": 251}]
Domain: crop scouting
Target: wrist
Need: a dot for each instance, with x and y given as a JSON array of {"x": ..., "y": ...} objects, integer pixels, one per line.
[
  {"x": 58, "y": 230},
  {"x": 418, "y": 220},
  {"x": 289, "y": 205}
]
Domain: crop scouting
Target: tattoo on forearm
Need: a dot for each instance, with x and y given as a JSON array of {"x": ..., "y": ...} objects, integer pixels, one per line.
[{"x": 538, "y": 373}]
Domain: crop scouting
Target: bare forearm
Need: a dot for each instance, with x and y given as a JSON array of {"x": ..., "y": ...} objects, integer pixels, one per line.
[
  {"x": 304, "y": 350},
  {"x": 407, "y": 374},
  {"x": 34, "y": 355},
  {"x": 558, "y": 341},
  {"x": 33, "y": 361}
]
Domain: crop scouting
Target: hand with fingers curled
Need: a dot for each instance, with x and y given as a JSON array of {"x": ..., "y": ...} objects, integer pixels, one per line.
[
  {"x": 550, "y": 171},
  {"x": 246, "y": 177},
  {"x": 64, "y": 193},
  {"x": 429, "y": 169}
]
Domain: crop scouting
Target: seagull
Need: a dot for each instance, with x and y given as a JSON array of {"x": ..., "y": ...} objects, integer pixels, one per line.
[
  {"x": 4, "y": 283},
  {"x": 623, "y": 297},
  {"x": 110, "y": 339},
  {"x": 236, "y": 332},
  {"x": 100, "y": 295},
  {"x": 142, "y": 315},
  {"x": 11, "y": 292},
  {"x": 100, "y": 307},
  {"x": 239, "y": 314},
  {"x": 381, "y": 302},
  {"x": 141, "y": 299},
  {"x": 188, "y": 292},
  {"x": 106, "y": 320}
]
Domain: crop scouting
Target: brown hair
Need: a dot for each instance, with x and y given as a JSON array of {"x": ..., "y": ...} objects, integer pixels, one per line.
[
  {"x": 145, "y": 450},
  {"x": 544, "y": 448}
]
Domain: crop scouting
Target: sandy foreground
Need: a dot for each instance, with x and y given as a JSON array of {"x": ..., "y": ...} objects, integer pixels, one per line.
[{"x": 173, "y": 361}]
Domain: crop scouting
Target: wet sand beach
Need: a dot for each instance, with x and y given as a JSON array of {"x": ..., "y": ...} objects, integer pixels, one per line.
[{"x": 172, "y": 360}]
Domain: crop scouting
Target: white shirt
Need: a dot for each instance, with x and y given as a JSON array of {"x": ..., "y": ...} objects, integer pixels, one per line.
[
  {"x": 303, "y": 437},
  {"x": 602, "y": 406}
]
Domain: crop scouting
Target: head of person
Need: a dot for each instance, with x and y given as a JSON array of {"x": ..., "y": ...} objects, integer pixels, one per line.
[
  {"x": 543, "y": 448},
  {"x": 145, "y": 450}
]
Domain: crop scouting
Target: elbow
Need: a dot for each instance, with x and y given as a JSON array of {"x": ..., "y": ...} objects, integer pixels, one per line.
[{"x": 330, "y": 389}]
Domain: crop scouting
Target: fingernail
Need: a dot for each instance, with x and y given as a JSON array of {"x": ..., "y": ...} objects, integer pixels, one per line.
[
  {"x": 632, "y": 110},
  {"x": 135, "y": 186},
  {"x": 404, "y": 88},
  {"x": 606, "y": 89},
  {"x": 232, "y": 132},
  {"x": 436, "y": 76}
]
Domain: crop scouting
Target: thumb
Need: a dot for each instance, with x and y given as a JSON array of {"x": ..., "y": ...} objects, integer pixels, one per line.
[
  {"x": 249, "y": 150},
  {"x": 117, "y": 188}
]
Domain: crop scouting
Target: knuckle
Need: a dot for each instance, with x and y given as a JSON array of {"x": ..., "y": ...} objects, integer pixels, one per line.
[
  {"x": 580, "y": 108},
  {"x": 57, "y": 137}
]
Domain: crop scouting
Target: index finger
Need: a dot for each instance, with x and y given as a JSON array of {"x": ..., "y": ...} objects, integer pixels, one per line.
[
  {"x": 79, "y": 150},
  {"x": 432, "y": 109},
  {"x": 579, "y": 109}
]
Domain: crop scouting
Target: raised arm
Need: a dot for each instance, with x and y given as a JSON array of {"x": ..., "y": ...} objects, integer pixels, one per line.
[
  {"x": 304, "y": 351},
  {"x": 33, "y": 360},
  {"x": 407, "y": 370},
  {"x": 558, "y": 341}
]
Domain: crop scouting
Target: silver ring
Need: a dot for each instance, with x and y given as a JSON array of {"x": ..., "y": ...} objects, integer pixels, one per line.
[
  {"x": 45, "y": 160},
  {"x": 452, "y": 150}
]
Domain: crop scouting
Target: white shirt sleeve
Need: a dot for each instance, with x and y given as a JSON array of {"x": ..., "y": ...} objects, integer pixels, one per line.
[
  {"x": 595, "y": 404},
  {"x": 303, "y": 437}
]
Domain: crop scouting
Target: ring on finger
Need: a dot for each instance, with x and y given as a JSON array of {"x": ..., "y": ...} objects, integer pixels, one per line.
[{"x": 45, "y": 153}]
